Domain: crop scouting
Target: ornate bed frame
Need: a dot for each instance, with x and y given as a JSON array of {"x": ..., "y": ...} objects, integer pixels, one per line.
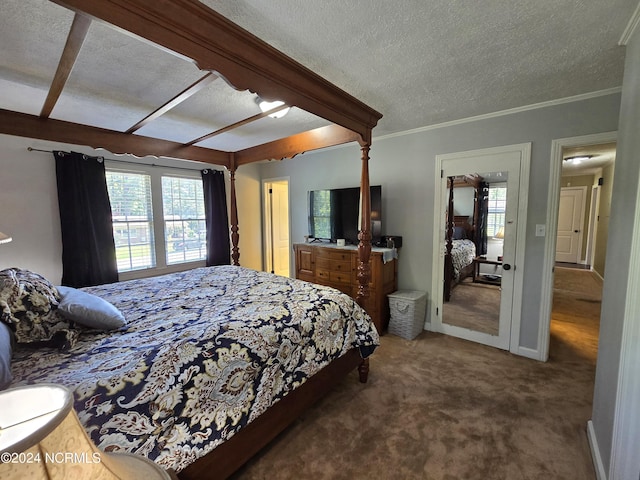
[
  {"x": 192, "y": 30},
  {"x": 459, "y": 221}
]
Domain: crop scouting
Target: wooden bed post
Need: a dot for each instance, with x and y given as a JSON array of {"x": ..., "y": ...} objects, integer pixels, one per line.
[
  {"x": 448, "y": 262},
  {"x": 364, "y": 247},
  {"x": 235, "y": 236}
]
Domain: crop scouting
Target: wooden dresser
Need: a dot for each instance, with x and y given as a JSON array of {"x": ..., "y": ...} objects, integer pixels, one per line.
[{"x": 337, "y": 267}]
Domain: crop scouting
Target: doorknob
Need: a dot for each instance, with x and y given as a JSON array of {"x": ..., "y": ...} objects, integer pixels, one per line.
[
  {"x": 506, "y": 266},
  {"x": 576, "y": 231}
]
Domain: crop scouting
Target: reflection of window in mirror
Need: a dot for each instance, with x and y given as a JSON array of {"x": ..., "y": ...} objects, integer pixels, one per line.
[{"x": 496, "y": 219}]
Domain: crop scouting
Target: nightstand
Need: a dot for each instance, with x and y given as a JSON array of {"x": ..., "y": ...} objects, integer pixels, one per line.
[{"x": 488, "y": 279}]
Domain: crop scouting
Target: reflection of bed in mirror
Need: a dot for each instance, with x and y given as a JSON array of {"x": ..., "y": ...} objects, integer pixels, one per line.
[{"x": 463, "y": 234}]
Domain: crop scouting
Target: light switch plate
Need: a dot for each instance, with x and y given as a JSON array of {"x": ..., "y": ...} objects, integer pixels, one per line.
[{"x": 540, "y": 230}]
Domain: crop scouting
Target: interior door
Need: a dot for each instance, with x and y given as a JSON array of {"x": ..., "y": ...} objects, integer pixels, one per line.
[
  {"x": 570, "y": 220},
  {"x": 481, "y": 308},
  {"x": 277, "y": 227}
]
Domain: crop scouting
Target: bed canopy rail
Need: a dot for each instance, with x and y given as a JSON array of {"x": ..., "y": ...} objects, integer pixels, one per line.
[{"x": 220, "y": 48}]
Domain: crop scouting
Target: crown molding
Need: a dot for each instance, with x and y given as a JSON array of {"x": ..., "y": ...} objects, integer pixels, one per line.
[
  {"x": 511, "y": 111},
  {"x": 631, "y": 27}
]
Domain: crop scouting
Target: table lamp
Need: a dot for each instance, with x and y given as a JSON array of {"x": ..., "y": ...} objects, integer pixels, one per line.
[
  {"x": 4, "y": 238},
  {"x": 42, "y": 438}
]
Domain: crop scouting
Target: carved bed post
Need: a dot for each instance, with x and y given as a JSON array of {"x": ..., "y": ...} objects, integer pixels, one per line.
[
  {"x": 235, "y": 236},
  {"x": 364, "y": 246},
  {"x": 448, "y": 263}
]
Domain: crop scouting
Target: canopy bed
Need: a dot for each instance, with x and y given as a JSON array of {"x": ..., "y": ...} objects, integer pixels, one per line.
[
  {"x": 221, "y": 49},
  {"x": 465, "y": 235}
]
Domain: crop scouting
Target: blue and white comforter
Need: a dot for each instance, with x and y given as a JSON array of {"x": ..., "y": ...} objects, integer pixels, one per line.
[{"x": 204, "y": 353}]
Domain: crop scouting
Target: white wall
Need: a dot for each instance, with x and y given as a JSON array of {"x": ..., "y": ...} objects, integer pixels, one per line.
[
  {"x": 404, "y": 166},
  {"x": 616, "y": 414},
  {"x": 29, "y": 205}
]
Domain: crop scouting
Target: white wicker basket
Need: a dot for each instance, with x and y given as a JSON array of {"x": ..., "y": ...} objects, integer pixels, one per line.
[{"x": 407, "y": 308}]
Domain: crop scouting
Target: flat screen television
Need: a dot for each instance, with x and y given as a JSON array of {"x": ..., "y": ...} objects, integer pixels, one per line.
[{"x": 335, "y": 214}]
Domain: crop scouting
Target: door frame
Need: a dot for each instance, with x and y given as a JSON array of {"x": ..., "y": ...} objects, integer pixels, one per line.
[
  {"x": 266, "y": 221},
  {"x": 524, "y": 149},
  {"x": 553, "y": 203},
  {"x": 594, "y": 213}
]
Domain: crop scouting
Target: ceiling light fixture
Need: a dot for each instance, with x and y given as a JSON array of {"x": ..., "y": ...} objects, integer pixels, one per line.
[
  {"x": 577, "y": 160},
  {"x": 266, "y": 106}
]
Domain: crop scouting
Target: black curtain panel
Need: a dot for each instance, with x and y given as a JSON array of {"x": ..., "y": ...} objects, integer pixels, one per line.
[
  {"x": 88, "y": 249},
  {"x": 483, "y": 214},
  {"x": 215, "y": 209}
]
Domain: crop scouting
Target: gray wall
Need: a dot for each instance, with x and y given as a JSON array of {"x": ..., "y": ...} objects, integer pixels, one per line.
[
  {"x": 614, "y": 395},
  {"x": 404, "y": 166},
  {"x": 29, "y": 206}
]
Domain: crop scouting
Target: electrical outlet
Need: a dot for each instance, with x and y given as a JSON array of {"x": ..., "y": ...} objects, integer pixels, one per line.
[{"x": 540, "y": 230}]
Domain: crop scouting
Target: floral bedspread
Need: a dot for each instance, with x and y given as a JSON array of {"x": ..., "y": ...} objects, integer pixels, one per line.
[
  {"x": 204, "y": 353},
  {"x": 462, "y": 254}
]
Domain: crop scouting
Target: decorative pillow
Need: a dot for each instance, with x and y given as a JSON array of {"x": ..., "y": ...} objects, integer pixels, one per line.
[
  {"x": 6, "y": 350},
  {"x": 459, "y": 233},
  {"x": 29, "y": 305},
  {"x": 89, "y": 310}
]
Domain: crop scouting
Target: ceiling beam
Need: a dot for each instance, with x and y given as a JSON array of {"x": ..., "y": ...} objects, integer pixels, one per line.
[
  {"x": 289, "y": 147},
  {"x": 75, "y": 39},
  {"x": 31, "y": 126},
  {"x": 237, "y": 124},
  {"x": 192, "y": 30},
  {"x": 175, "y": 101}
]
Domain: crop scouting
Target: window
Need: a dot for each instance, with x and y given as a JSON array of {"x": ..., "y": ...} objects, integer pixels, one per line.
[
  {"x": 497, "y": 209},
  {"x": 132, "y": 215},
  {"x": 184, "y": 221},
  {"x": 142, "y": 194}
]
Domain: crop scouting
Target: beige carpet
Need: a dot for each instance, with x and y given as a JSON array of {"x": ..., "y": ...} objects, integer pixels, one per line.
[
  {"x": 442, "y": 408},
  {"x": 475, "y": 306}
]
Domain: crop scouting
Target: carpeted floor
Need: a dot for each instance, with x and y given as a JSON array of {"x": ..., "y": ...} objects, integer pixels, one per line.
[
  {"x": 438, "y": 407},
  {"x": 475, "y": 306}
]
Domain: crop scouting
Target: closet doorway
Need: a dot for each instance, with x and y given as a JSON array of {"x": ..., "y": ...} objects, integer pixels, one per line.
[
  {"x": 277, "y": 244},
  {"x": 481, "y": 206}
]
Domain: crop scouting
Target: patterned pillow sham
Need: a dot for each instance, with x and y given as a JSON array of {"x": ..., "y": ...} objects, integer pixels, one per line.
[{"x": 28, "y": 304}]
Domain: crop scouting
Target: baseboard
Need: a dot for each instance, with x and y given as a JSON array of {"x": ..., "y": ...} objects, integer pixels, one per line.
[
  {"x": 595, "y": 452},
  {"x": 528, "y": 353}
]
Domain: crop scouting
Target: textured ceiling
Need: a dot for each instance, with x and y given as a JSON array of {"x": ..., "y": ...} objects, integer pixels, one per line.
[
  {"x": 418, "y": 63},
  {"x": 423, "y": 62}
]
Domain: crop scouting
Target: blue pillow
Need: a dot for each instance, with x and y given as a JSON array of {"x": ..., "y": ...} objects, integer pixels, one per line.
[
  {"x": 89, "y": 310},
  {"x": 6, "y": 350},
  {"x": 459, "y": 233}
]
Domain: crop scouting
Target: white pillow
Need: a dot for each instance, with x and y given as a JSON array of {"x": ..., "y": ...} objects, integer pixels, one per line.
[{"x": 89, "y": 310}]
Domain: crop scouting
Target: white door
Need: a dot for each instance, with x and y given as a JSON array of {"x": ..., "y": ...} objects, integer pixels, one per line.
[
  {"x": 570, "y": 221},
  {"x": 505, "y": 166},
  {"x": 277, "y": 227}
]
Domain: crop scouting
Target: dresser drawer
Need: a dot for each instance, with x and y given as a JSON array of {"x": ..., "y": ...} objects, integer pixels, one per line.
[
  {"x": 340, "y": 277},
  {"x": 323, "y": 275},
  {"x": 327, "y": 277},
  {"x": 334, "y": 255},
  {"x": 333, "y": 265}
]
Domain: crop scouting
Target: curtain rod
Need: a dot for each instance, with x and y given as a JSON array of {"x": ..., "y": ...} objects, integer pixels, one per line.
[{"x": 31, "y": 149}]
